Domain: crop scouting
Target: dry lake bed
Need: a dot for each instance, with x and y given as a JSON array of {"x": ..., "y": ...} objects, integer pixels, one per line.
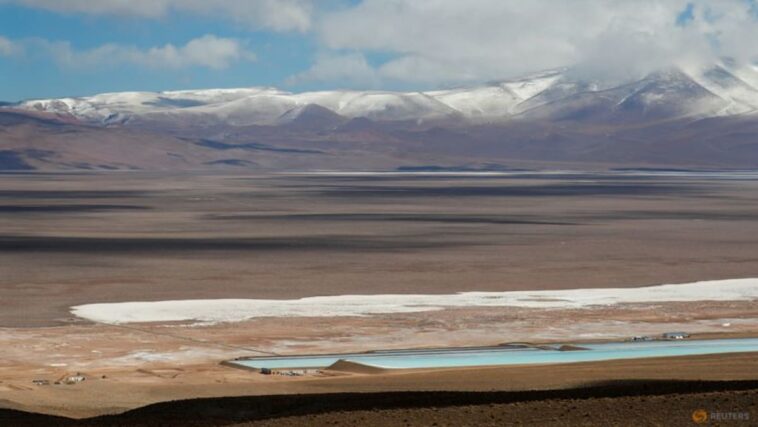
[{"x": 394, "y": 261}]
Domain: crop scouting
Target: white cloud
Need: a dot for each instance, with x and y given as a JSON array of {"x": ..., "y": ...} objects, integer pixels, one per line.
[
  {"x": 350, "y": 69},
  {"x": 439, "y": 42},
  {"x": 452, "y": 41},
  {"x": 279, "y": 15},
  {"x": 7, "y": 47},
  {"x": 207, "y": 51}
]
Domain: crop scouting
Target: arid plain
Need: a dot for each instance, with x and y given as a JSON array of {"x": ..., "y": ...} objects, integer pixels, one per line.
[{"x": 82, "y": 238}]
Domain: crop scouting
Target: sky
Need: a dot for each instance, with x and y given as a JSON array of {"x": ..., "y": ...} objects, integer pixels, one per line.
[{"x": 56, "y": 48}]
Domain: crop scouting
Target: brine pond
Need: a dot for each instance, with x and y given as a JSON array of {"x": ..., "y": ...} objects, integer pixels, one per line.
[{"x": 513, "y": 354}]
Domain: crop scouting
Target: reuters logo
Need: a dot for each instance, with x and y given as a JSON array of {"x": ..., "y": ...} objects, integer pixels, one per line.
[{"x": 700, "y": 416}]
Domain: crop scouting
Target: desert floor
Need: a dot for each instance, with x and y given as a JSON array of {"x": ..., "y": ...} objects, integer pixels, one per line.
[{"x": 71, "y": 239}]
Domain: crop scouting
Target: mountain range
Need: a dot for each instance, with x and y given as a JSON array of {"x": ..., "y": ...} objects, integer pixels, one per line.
[{"x": 705, "y": 117}]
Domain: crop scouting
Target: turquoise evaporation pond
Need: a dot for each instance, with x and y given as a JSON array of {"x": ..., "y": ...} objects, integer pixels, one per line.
[{"x": 459, "y": 357}]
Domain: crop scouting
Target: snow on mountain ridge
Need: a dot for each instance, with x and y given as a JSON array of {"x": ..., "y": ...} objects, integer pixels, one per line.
[{"x": 725, "y": 91}]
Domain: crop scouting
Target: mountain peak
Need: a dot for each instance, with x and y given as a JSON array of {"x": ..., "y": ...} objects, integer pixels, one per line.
[{"x": 312, "y": 117}]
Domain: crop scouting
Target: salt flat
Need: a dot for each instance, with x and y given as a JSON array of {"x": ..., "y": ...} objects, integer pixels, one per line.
[
  {"x": 172, "y": 274},
  {"x": 235, "y": 310}
]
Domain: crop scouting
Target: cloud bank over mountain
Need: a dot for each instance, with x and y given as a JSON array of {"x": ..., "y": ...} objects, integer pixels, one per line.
[
  {"x": 449, "y": 41},
  {"x": 366, "y": 44}
]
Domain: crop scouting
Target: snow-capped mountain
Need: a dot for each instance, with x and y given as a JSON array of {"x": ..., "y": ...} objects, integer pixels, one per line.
[
  {"x": 702, "y": 118},
  {"x": 716, "y": 91}
]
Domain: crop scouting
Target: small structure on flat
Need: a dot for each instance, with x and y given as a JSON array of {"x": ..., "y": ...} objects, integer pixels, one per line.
[
  {"x": 675, "y": 335},
  {"x": 71, "y": 379}
]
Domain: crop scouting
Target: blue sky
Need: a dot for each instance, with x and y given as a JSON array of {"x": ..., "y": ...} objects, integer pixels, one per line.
[
  {"x": 55, "y": 48},
  {"x": 277, "y": 54}
]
